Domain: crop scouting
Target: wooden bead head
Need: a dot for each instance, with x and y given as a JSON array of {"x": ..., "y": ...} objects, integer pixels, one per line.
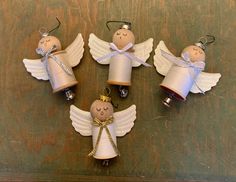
[
  {"x": 122, "y": 37},
  {"x": 101, "y": 110},
  {"x": 47, "y": 42},
  {"x": 195, "y": 53}
]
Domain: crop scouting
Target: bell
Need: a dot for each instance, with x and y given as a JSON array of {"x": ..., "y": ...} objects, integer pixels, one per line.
[{"x": 167, "y": 101}]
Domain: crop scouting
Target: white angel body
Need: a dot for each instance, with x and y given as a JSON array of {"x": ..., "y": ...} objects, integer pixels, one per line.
[
  {"x": 180, "y": 80},
  {"x": 105, "y": 149},
  {"x": 52, "y": 68},
  {"x": 59, "y": 79},
  {"x": 120, "y": 61},
  {"x": 123, "y": 121},
  {"x": 120, "y": 69}
]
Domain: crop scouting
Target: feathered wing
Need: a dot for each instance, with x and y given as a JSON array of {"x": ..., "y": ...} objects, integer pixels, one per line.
[
  {"x": 75, "y": 51},
  {"x": 81, "y": 121},
  {"x": 124, "y": 120},
  {"x": 36, "y": 68},
  {"x": 142, "y": 51},
  {"x": 161, "y": 63},
  {"x": 205, "y": 81},
  {"x": 99, "y": 48}
]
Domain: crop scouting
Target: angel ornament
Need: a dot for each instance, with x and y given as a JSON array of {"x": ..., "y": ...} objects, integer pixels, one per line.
[
  {"x": 56, "y": 64},
  {"x": 103, "y": 125},
  {"x": 184, "y": 74},
  {"x": 121, "y": 55}
]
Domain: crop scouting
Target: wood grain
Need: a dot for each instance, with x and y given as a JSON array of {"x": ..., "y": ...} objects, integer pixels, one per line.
[{"x": 192, "y": 141}]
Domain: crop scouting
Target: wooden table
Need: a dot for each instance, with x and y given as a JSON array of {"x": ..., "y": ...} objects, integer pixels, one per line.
[{"x": 192, "y": 141}]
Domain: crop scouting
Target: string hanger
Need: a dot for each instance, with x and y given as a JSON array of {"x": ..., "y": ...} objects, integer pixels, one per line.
[
  {"x": 125, "y": 25},
  {"x": 204, "y": 41},
  {"x": 105, "y": 97},
  {"x": 43, "y": 31}
]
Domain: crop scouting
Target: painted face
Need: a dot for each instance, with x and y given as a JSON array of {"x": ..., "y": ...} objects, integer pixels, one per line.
[
  {"x": 122, "y": 37},
  {"x": 101, "y": 110},
  {"x": 195, "y": 53},
  {"x": 48, "y": 42}
]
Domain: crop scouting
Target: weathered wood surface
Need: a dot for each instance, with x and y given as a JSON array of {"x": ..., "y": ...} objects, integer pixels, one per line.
[{"x": 192, "y": 141}]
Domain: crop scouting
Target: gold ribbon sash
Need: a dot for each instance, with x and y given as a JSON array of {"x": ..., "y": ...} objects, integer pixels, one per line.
[{"x": 103, "y": 125}]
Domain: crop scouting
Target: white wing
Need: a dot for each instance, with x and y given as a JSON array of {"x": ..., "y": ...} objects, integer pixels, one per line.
[
  {"x": 205, "y": 81},
  {"x": 75, "y": 51},
  {"x": 81, "y": 121},
  {"x": 124, "y": 120},
  {"x": 99, "y": 48},
  {"x": 37, "y": 68},
  {"x": 142, "y": 51},
  {"x": 161, "y": 63}
]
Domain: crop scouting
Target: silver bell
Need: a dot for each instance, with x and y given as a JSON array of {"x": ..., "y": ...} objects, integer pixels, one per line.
[{"x": 167, "y": 101}]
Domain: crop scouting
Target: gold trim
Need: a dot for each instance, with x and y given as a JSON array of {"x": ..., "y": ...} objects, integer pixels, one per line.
[
  {"x": 169, "y": 88},
  {"x": 118, "y": 83},
  {"x": 105, "y": 98},
  {"x": 103, "y": 125},
  {"x": 105, "y": 157},
  {"x": 65, "y": 86}
]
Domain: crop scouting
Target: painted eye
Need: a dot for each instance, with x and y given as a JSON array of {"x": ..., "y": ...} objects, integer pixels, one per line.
[
  {"x": 125, "y": 34},
  {"x": 98, "y": 109},
  {"x": 118, "y": 33},
  {"x": 41, "y": 42},
  {"x": 48, "y": 40},
  {"x": 105, "y": 108},
  {"x": 200, "y": 52}
]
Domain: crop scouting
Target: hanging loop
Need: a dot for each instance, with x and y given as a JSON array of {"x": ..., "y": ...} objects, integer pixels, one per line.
[
  {"x": 58, "y": 25},
  {"x": 128, "y": 24},
  {"x": 106, "y": 91},
  {"x": 44, "y": 32},
  {"x": 208, "y": 39}
]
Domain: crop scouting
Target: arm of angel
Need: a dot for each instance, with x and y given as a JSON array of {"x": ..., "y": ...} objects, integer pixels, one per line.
[
  {"x": 205, "y": 81},
  {"x": 142, "y": 51},
  {"x": 124, "y": 120},
  {"x": 36, "y": 68},
  {"x": 75, "y": 51},
  {"x": 81, "y": 121},
  {"x": 161, "y": 63},
  {"x": 99, "y": 48}
]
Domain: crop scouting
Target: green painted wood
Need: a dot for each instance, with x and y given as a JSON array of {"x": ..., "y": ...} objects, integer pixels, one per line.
[{"x": 192, "y": 141}]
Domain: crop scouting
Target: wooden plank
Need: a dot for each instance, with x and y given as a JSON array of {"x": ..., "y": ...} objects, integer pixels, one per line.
[
  {"x": 192, "y": 141},
  {"x": 66, "y": 177}
]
